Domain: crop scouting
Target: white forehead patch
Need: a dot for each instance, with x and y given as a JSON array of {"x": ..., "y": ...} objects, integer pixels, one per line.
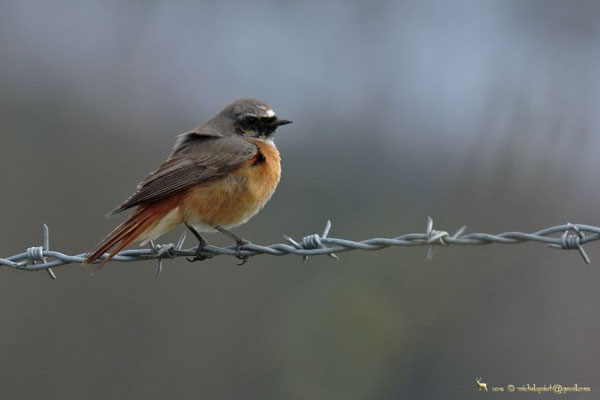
[{"x": 270, "y": 113}]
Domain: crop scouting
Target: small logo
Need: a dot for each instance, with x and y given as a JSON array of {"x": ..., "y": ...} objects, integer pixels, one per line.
[{"x": 481, "y": 385}]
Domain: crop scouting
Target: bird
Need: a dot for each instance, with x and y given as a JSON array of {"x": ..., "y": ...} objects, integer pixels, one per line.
[{"x": 217, "y": 177}]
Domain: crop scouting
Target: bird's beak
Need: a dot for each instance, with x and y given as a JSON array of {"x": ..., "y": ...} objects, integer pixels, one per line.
[{"x": 280, "y": 122}]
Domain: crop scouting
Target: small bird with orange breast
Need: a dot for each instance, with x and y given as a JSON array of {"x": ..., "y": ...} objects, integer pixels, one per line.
[{"x": 217, "y": 177}]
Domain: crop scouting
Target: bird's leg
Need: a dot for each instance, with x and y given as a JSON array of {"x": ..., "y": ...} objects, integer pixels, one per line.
[
  {"x": 239, "y": 242},
  {"x": 201, "y": 243}
]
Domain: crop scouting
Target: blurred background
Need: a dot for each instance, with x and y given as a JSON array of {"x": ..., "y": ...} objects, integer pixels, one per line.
[{"x": 482, "y": 113}]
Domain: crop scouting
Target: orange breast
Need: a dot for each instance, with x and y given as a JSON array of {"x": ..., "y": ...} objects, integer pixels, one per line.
[{"x": 236, "y": 198}]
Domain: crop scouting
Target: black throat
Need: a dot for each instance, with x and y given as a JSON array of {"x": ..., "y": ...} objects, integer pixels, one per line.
[{"x": 260, "y": 158}]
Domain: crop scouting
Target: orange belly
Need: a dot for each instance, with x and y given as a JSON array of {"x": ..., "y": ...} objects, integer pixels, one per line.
[{"x": 234, "y": 199}]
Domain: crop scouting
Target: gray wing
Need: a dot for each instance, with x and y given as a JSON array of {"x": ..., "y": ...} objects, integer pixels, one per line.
[{"x": 192, "y": 162}]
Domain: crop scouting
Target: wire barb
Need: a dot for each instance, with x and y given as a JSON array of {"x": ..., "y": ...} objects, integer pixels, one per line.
[
  {"x": 162, "y": 251},
  {"x": 432, "y": 237},
  {"x": 313, "y": 241},
  {"x": 573, "y": 241},
  {"x": 572, "y": 236},
  {"x": 35, "y": 254}
]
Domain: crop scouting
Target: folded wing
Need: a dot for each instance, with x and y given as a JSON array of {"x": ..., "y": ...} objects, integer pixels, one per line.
[{"x": 194, "y": 162}]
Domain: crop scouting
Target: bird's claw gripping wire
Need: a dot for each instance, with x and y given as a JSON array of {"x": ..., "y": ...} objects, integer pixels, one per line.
[
  {"x": 199, "y": 256},
  {"x": 239, "y": 243},
  {"x": 201, "y": 244},
  {"x": 238, "y": 251}
]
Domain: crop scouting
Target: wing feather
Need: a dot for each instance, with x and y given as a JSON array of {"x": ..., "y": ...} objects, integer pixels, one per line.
[{"x": 192, "y": 162}]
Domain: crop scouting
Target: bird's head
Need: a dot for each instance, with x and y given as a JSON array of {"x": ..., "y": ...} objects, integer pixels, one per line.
[{"x": 252, "y": 118}]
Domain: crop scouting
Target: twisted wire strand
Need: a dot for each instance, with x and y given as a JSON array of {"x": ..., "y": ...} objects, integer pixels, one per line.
[{"x": 573, "y": 237}]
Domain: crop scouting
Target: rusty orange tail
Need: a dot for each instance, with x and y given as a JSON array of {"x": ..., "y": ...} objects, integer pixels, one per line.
[
  {"x": 138, "y": 222},
  {"x": 143, "y": 219}
]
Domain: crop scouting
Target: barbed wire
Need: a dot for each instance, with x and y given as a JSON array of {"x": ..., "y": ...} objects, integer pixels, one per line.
[{"x": 573, "y": 237}]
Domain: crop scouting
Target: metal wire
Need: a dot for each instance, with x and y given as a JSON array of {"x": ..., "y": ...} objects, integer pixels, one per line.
[{"x": 573, "y": 237}]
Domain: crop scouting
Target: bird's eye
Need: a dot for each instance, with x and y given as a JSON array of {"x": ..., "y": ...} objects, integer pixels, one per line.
[{"x": 249, "y": 120}]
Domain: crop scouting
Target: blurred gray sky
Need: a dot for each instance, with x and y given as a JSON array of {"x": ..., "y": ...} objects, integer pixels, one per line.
[
  {"x": 340, "y": 58},
  {"x": 477, "y": 112}
]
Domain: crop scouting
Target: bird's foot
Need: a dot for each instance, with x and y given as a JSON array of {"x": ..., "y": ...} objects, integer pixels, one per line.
[
  {"x": 239, "y": 242},
  {"x": 201, "y": 244},
  {"x": 199, "y": 256},
  {"x": 238, "y": 251}
]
